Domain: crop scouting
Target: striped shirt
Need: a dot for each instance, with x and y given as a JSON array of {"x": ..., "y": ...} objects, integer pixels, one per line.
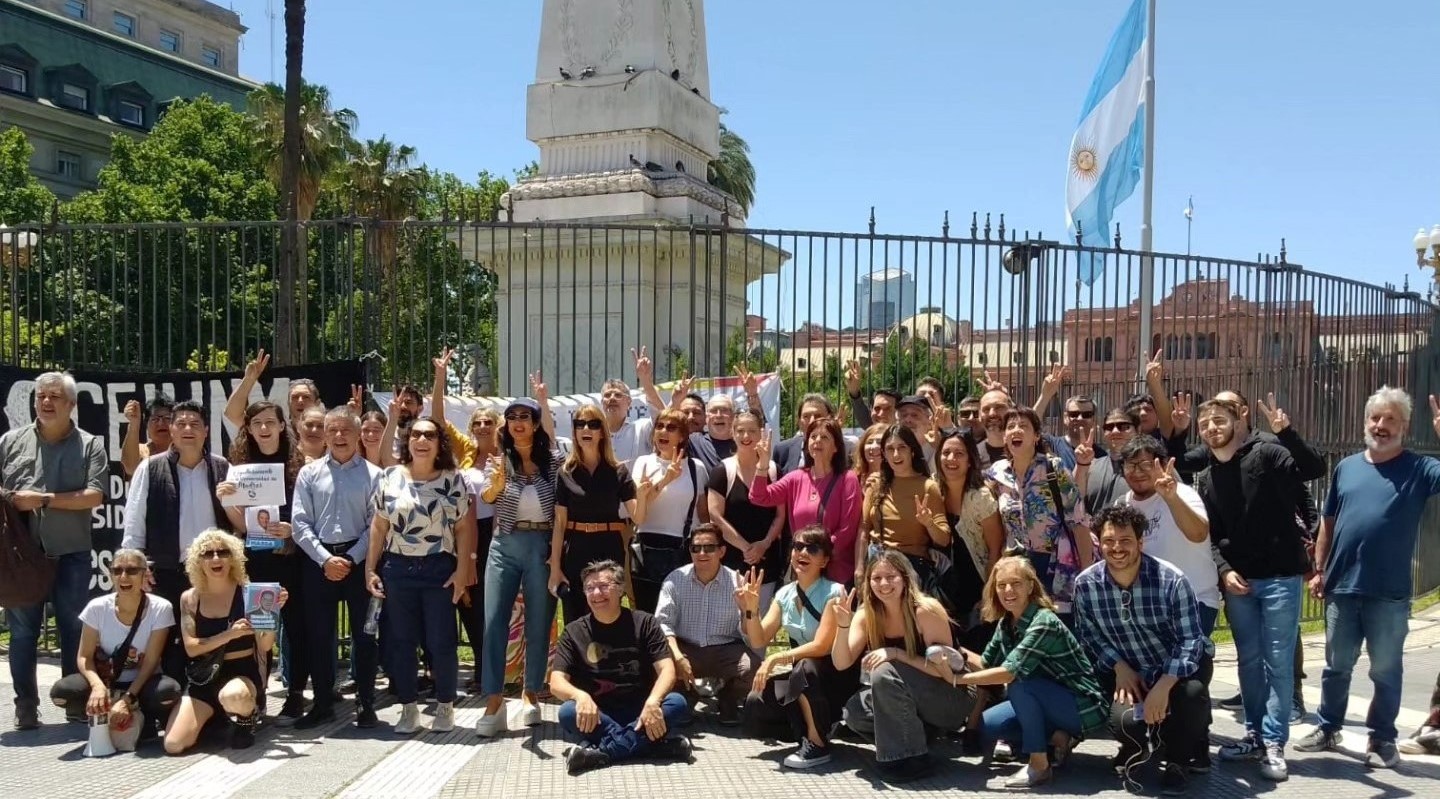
[
  {"x": 1154, "y": 625},
  {"x": 1039, "y": 645},
  {"x": 507, "y": 504},
  {"x": 703, "y": 614}
]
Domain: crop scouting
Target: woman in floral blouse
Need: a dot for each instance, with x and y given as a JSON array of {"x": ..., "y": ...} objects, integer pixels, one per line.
[
  {"x": 422, "y": 519},
  {"x": 1041, "y": 508}
]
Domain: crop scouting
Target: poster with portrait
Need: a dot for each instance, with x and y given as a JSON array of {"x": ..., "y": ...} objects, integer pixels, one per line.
[
  {"x": 258, "y": 519},
  {"x": 262, "y": 606}
]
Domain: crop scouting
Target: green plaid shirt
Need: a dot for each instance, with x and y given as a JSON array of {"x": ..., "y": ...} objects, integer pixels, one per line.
[{"x": 1039, "y": 645}]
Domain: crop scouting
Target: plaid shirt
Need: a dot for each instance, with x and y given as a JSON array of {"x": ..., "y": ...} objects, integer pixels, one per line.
[
  {"x": 1039, "y": 645},
  {"x": 1154, "y": 625},
  {"x": 703, "y": 614}
]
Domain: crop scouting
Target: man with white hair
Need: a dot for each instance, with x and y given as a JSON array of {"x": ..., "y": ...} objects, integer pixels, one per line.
[
  {"x": 53, "y": 473},
  {"x": 1367, "y": 539}
]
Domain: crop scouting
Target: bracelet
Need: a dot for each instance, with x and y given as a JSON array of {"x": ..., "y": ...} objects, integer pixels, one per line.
[{"x": 843, "y": 626}]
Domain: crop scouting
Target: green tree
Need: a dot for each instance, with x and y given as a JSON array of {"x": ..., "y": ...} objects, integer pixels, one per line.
[
  {"x": 387, "y": 186},
  {"x": 22, "y": 197},
  {"x": 732, "y": 172},
  {"x": 326, "y": 139}
]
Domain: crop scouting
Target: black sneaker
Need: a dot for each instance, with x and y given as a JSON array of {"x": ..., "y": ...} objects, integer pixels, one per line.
[
  {"x": 319, "y": 714},
  {"x": 809, "y": 755},
  {"x": 1199, "y": 764},
  {"x": 291, "y": 711},
  {"x": 76, "y": 716},
  {"x": 365, "y": 718},
  {"x": 581, "y": 759},
  {"x": 1232, "y": 703},
  {"x": 675, "y": 749},
  {"x": 346, "y": 687},
  {"x": 729, "y": 713},
  {"x": 242, "y": 730},
  {"x": 27, "y": 716},
  {"x": 1172, "y": 780},
  {"x": 1382, "y": 754},
  {"x": 904, "y": 769}
]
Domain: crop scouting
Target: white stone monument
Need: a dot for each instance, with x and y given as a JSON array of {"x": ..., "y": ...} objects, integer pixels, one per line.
[{"x": 619, "y": 241}]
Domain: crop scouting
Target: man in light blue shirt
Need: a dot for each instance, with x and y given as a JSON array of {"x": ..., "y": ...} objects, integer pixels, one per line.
[{"x": 331, "y": 521}]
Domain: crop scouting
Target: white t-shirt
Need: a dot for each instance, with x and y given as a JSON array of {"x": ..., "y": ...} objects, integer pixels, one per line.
[
  {"x": 473, "y": 479},
  {"x": 100, "y": 615},
  {"x": 667, "y": 511},
  {"x": 632, "y": 440},
  {"x": 1165, "y": 541}
]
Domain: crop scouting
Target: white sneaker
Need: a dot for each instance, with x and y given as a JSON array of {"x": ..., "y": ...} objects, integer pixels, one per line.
[
  {"x": 492, "y": 724},
  {"x": 530, "y": 716},
  {"x": 409, "y": 720},
  {"x": 1272, "y": 765},
  {"x": 444, "y": 717}
]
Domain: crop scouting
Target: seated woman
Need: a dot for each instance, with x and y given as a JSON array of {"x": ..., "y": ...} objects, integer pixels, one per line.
[
  {"x": 212, "y": 616},
  {"x": 892, "y": 630},
  {"x": 810, "y": 692},
  {"x": 121, "y": 640},
  {"x": 1054, "y": 697}
]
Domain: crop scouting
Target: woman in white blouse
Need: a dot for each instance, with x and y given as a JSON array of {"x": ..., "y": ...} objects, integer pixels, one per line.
[{"x": 670, "y": 501}]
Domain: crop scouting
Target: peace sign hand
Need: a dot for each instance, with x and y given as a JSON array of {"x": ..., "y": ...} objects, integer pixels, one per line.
[
  {"x": 538, "y": 389},
  {"x": 1278, "y": 418},
  {"x": 254, "y": 368},
  {"x": 747, "y": 380},
  {"x": 1085, "y": 453},
  {"x": 1155, "y": 369},
  {"x": 442, "y": 363},
  {"x": 1165, "y": 484},
  {"x": 763, "y": 448},
  {"x": 682, "y": 388},
  {"x": 357, "y": 398},
  {"x": 844, "y": 612},
  {"x": 989, "y": 383},
  {"x": 852, "y": 377},
  {"x": 644, "y": 367},
  {"x": 747, "y": 591},
  {"x": 923, "y": 514},
  {"x": 1056, "y": 378},
  {"x": 1180, "y": 411}
]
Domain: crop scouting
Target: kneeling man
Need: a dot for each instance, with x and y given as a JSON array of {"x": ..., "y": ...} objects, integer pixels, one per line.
[{"x": 613, "y": 671}]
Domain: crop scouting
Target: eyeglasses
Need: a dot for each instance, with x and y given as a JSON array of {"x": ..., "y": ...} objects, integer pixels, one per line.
[
  {"x": 600, "y": 588},
  {"x": 809, "y": 549},
  {"x": 667, "y": 427},
  {"x": 1117, "y": 427},
  {"x": 518, "y": 417},
  {"x": 1125, "y": 607},
  {"x": 967, "y": 413},
  {"x": 211, "y": 554},
  {"x": 1079, "y": 414},
  {"x": 588, "y": 424},
  {"x": 706, "y": 549},
  {"x": 1139, "y": 466},
  {"x": 482, "y": 423},
  {"x": 431, "y": 435},
  {"x": 160, "y": 418},
  {"x": 126, "y": 571}
]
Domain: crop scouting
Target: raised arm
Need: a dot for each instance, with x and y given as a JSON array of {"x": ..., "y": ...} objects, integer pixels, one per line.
[
  {"x": 130, "y": 449},
  {"x": 541, "y": 393},
  {"x": 1155, "y": 384},
  {"x": 240, "y": 397},
  {"x": 645, "y": 375},
  {"x": 1050, "y": 387}
]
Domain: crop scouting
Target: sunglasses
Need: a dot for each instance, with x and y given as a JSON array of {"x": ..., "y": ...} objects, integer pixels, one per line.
[
  {"x": 667, "y": 427},
  {"x": 600, "y": 588},
  {"x": 482, "y": 423},
  {"x": 809, "y": 549},
  {"x": 588, "y": 424},
  {"x": 431, "y": 435},
  {"x": 161, "y": 418},
  {"x": 1117, "y": 427},
  {"x": 708, "y": 549},
  {"x": 968, "y": 413},
  {"x": 1079, "y": 414},
  {"x": 518, "y": 417},
  {"x": 126, "y": 571},
  {"x": 211, "y": 554}
]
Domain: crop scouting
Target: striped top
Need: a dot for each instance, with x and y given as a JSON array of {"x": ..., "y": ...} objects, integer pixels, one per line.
[{"x": 507, "y": 504}]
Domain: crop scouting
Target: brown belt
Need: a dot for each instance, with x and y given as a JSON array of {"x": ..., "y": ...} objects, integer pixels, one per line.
[{"x": 596, "y": 527}]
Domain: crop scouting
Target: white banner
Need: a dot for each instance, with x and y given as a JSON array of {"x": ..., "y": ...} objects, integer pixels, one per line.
[{"x": 458, "y": 409}]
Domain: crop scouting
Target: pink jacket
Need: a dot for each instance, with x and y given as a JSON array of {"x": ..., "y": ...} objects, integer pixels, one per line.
[{"x": 800, "y": 494}]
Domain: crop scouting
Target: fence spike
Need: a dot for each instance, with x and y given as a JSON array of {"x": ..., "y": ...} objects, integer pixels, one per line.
[
  {"x": 987, "y": 225},
  {"x": 1001, "y": 230},
  {"x": 872, "y": 220},
  {"x": 1079, "y": 233},
  {"x": 945, "y": 228},
  {"x": 1117, "y": 235},
  {"x": 974, "y": 224},
  {"x": 1282, "y": 250}
]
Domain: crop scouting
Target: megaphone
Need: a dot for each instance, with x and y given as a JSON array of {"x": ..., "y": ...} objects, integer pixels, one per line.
[{"x": 100, "y": 744}]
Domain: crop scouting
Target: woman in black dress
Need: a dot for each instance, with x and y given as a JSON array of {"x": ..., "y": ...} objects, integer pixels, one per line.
[{"x": 752, "y": 532}]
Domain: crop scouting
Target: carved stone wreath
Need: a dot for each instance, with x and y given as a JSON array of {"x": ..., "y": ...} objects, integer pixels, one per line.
[
  {"x": 687, "y": 73},
  {"x": 619, "y": 32}
]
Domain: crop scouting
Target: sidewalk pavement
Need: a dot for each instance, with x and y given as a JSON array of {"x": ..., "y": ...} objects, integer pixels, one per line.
[{"x": 344, "y": 762}]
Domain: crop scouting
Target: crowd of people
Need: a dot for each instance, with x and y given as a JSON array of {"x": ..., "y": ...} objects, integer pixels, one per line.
[{"x": 960, "y": 572}]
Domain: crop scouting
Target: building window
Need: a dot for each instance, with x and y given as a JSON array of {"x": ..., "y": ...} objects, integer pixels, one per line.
[
  {"x": 79, "y": 9},
  {"x": 14, "y": 80},
  {"x": 132, "y": 114},
  {"x": 124, "y": 24},
  {"x": 169, "y": 41},
  {"x": 76, "y": 97},
  {"x": 210, "y": 56},
  {"x": 801, "y": 363},
  {"x": 67, "y": 165}
]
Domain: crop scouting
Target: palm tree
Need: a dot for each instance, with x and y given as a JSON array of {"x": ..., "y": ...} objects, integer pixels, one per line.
[
  {"x": 732, "y": 172},
  {"x": 290, "y": 260},
  {"x": 326, "y": 136},
  {"x": 386, "y": 186}
]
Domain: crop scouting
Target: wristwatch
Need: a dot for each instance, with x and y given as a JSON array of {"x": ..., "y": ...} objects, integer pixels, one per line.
[
  {"x": 45, "y": 500},
  {"x": 130, "y": 698}
]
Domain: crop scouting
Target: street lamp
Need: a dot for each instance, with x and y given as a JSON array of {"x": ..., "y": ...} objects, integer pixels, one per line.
[
  {"x": 19, "y": 242},
  {"x": 1431, "y": 241}
]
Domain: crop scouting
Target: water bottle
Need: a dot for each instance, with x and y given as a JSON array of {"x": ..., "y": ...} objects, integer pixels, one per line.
[{"x": 372, "y": 616}]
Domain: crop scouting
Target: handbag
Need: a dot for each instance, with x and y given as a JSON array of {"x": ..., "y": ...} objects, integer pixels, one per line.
[
  {"x": 26, "y": 573},
  {"x": 106, "y": 664},
  {"x": 1052, "y": 482},
  {"x": 203, "y": 670}
]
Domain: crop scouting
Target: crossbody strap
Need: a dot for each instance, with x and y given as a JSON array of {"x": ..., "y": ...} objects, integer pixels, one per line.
[{"x": 117, "y": 658}]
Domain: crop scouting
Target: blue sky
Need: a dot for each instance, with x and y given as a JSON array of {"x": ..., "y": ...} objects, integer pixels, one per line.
[{"x": 1313, "y": 121}]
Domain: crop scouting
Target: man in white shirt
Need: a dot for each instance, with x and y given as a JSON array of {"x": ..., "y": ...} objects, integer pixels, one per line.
[
  {"x": 1179, "y": 530},
  {"x": 630, "y": 438}
]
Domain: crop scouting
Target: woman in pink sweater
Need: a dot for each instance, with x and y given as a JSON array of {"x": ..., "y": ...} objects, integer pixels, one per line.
[{"x": 823, "y": 491}]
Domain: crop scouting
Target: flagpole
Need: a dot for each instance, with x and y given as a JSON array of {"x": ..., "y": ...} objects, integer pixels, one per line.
[{"x": 1147, "y": 233}]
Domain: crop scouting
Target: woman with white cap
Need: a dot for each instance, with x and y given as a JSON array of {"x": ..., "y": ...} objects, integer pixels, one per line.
[{"x": 520, "y": 483}]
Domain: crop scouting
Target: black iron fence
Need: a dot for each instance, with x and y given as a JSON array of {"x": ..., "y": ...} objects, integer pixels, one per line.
[{"x": 571, "y": 300}]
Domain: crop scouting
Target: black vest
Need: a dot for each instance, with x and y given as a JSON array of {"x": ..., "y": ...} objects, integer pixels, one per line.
[{"x": 162, "y": 506}]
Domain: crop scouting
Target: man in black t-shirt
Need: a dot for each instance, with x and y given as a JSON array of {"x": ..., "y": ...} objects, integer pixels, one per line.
[{"x": 614, "y": 672}]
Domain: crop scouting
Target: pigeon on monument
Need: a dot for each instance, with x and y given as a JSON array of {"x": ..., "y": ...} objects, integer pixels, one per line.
[
  {"x": 564, "y": 73},
  {"x": 629, "y": 69},
  {"x": 675, "y": 74},
  {"x": 680, "y": 167},
  {"x": 635, "y": 161},
  {"x": 651, "y": 166},
  {"x": 696, "y": 91},
  {"x": 587, "y": 72}
]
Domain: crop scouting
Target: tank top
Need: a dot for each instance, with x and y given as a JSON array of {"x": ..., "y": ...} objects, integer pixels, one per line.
[{"x": 206, "y": 626}]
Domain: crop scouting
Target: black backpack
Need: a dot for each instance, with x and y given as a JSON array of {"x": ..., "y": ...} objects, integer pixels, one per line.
[{"x": 26, "y": 573}]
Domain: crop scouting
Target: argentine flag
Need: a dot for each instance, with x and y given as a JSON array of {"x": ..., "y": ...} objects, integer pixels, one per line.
[{"x": 1108, "y": 150}]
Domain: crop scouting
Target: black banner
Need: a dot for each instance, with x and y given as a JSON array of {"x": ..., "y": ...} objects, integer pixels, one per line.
[{"x": 100, "y": 411}]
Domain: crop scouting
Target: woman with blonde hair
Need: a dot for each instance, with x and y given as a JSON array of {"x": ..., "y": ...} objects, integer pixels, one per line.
[
  {"x": 1053, "y": 696},
  {"x": 889, "y": 636},
  {"x": 484, "y": 429},
  {"x": 589, "y": 491},
  {"x": 212, "y": 618}
]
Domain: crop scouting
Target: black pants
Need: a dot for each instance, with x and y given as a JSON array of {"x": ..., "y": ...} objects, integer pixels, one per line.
[
  {"x": 660, "y": 554},
  {"x": 169, "y": 585},
  {"x": 321, "y": 597},
  {"x": 1434, "y": 718},
  {"x": 770, "y": 712},
  {"x": 582, "y": 549},
  {"x": 472, "y": 613},
  {"x": 271, "y": 567},
  {"x": 157, "y": 696},
  {"x": 1185, "y": 733}
]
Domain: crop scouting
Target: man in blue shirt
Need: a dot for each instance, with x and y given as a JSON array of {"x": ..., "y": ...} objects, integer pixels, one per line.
[
  {"x": 1367, "y": 539},
  {"x": 331, "y": 521},
  {"x": 1140, "y": 624}
]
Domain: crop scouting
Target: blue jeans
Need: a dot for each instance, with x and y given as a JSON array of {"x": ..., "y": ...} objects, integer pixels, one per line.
[
  {"x": 1382, "y": 625},
  {"x": 1033, "y": 711},
  {"x": 417, "y": 604},
  {"x": 616, "y": 735},
  {"x": 516, "y": 562},
  {"x": 1264, "y": 622},
  {"x": 69, "y": 595}
]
